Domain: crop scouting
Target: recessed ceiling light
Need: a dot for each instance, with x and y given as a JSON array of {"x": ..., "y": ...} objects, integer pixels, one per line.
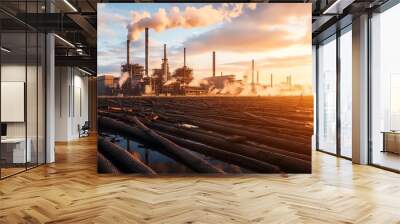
[
  {"x": 64, "y": 40},
  {"x": 70, "y": 5},
  {"x": 5, "y": 50},
  {"x": 86, "y": 72},
  {"x": 337, "y": 7}
]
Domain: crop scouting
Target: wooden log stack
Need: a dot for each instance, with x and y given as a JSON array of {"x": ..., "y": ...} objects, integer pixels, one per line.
[{"x": 257, "y": 134}]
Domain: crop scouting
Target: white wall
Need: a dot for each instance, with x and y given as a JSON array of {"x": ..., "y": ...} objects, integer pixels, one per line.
[
  {"x": 71, "y": 94},
  {"x": 16, "y": 73},
  {"x": 33, "y": 127},
  {"x": 62, "y": 81}
]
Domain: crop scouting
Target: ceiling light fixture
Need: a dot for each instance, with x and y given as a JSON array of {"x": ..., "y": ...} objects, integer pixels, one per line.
[
  {"x": 5, "y": 50},
  {"x": 70, "y": 5},
  {"x": 86, "y": 72},
  {"x": 64, "y": 40},
  {"x": 337, "y": 7}
]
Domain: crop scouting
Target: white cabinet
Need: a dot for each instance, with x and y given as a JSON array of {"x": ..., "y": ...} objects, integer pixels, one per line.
[{"x": 19, "y": 155}]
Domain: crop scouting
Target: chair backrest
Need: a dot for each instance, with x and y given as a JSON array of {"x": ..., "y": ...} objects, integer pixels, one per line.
[{"x": 86, "y": 125}]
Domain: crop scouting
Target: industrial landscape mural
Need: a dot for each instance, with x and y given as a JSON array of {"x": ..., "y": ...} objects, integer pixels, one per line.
[{"x": 193, "y": 88}]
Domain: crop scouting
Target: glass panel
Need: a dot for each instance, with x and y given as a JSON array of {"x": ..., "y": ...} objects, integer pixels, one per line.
[
  {"x": 13, "y": 87},
  {"x": 32, "y": 88},
  {"x": 41, "y": 99},
  {"x": 327, "y": 96},
  {"x": 346, "y": 94},
  {"x": 31, "y": 98},
  {"x": 23, "y": 82},
  {"x": 386, "y": 89}
]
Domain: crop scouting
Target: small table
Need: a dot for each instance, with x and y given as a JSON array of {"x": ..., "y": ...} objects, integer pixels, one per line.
[
  {"x": 16, "y": 147},
  {"x": 391, "y": 141}
]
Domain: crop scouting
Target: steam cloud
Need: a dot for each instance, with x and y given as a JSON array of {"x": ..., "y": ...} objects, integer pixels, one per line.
[
  {"x": 246, "y": 89},
  {"x": 124, "y": 77},
  {"x": 188, "y": 18}
]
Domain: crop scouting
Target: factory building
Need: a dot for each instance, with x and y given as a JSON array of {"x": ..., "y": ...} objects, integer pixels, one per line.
[{"x": 105, "y": 85}]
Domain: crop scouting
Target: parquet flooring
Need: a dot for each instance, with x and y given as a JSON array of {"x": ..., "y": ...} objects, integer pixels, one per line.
[{"x": 70, "y": 191}]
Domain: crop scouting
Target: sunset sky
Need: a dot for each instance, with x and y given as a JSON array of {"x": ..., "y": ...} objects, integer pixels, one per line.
[{"x": 276, "y": 36}]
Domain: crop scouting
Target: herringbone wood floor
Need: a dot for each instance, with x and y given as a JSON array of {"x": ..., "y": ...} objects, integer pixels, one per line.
[{"x": 70, "y": 191}]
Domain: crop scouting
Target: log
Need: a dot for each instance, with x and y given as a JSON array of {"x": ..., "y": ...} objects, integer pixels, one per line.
[
  {"x": 226, "y": 156},
  {"x": 125, "y": 162},
  {"x": 189, "y": 159},
  {"x": 305, "y": 157},
  {"x": 263, "y": 147},
  {"x": 292, "y": 135},
  {"x": 104, "y": 165},
  {"x": 197, "y": 163},
  {"x": 227, "y": 128},
  {"x": 223, "y": 155},
  {"x": 286, "y": 163}
]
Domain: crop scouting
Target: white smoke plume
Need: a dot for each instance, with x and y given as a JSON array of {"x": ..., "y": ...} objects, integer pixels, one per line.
[
  {"x": 187, "y": 18},
  {"x": 248, "y": 89},
  {"x": 124, "y": 77},
  {"x": 197, "y": 82},
  {"x": 244, "y": 88},
  {"x": 169, "y": 82}
]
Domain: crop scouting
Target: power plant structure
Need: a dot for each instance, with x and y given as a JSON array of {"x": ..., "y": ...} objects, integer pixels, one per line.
[
  {"x": 136, "y": 79},
  {"x": 161, "y": 81},
  {"x": 135, "y": 83},
  {"x": 139, "y": 81},
  {"x": 218, "y": 81}
]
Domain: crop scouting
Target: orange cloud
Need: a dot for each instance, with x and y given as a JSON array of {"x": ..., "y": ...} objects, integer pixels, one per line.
[
  {"x": 188, "y": 18},
  {"x": 274, "y": 62},
  {"x": 267, "y": 28}
]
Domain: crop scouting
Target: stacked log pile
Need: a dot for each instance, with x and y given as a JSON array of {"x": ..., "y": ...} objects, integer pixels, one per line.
[{"x": 259, "y": 134}]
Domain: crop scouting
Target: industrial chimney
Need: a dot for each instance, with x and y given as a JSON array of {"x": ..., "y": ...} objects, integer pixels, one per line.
[
  {"x": 289, "y": 80},
  {"x": 128, "y": 43},
  {"x": 184, "y": 66},
  {"x": 165, "y": 65},
  {"x": 252, "y": 71},
  {"x": 184, "y": 57},
  {"x": 213, "y": 63},
  {"x": 271, "y": 81},
  {"x": 146, "y": 62}
]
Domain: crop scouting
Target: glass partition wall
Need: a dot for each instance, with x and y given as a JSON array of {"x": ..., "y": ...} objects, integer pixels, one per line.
[
  {"x": 385, "y": 89},
  {"x": 327, "y": 95},
  {"x": 22, "y": 77},
  {"x": 334, "y": 93}
]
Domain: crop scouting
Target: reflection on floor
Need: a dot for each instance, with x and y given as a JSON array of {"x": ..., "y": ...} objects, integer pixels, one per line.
[
  {"x": 387, "y": 159},
  {"x": 10, "y": 171}
]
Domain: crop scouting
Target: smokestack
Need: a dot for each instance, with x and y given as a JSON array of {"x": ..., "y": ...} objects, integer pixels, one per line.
[
  {"x": 257, "y": 77},
  {"x": 165, "y": 64},
  {"x": 214, "y": 64},
  {"x": 252, "y": 71},
  {"x": 165, "y": 52},
  {"x": 271, "y": 81},
  {"x": 146, "y": 52},
  {"x": 184, "y": 66},
  {"x": 128, "y": 43},
  {"x": 184, "y": 57}
]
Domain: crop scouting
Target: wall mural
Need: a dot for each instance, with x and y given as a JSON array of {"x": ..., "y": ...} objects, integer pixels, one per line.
[{"x": 200, "y": 88}]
